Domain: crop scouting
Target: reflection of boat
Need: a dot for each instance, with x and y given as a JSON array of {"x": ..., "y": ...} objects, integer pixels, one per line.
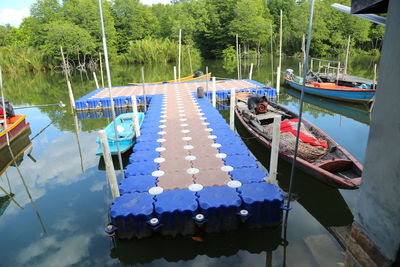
[
  {"x": 4, "y": 202},
  {"x": 331, "y": 90},
  {"x": 355, "y": 111},
  {"x": 15, "y": 125},
  {"x": 191, "y": 78},
  {"x": 18, "y": 146},
  {"x": 182, "y": 248},
  {"x": 318, "y": 154},
  {"x": 126, "y": 133}
]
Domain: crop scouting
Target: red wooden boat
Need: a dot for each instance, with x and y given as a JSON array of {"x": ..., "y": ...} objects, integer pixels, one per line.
[
  {"x": 15, "y": 125},
  {"x": 319, "y": 155}
]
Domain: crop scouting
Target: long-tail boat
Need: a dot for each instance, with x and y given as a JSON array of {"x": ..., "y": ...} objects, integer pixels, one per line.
[
  {"x": 331, "y": 90},
  {"x": 318, "y": 154},
  {"x": 13, "y": 127}
]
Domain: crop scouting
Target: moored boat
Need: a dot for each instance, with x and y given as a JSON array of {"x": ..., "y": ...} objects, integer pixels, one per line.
[
  {"x": 126, "y": 133},
  {"x": 330, "y": 90},
  {"x": 318, "y": 154},
  {"x": 191, "y": 78}
]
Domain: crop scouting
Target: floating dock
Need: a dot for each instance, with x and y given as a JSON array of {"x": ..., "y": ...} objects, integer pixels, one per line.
[{"x": 189, "y": 172}]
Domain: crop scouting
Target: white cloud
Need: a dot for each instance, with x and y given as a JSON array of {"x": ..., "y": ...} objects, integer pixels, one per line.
[{"x": 13, "y": 16}]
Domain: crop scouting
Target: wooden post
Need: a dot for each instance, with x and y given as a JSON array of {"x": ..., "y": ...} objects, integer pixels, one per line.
[
  {"x": 374, "y": 82},
  {"x": 95, "y": 80},
  {"x": 175, "y": 74},
  {"x": 278, "y": 79},
  {"x": 272, "y": 59},
  {"x": 237, "y": 57},
  {"x": 207, "y": 79},
  {"x": 303, "y": 48},
  {"x": 280, "y": 43},
  {"x": 329, "y": 67},
  {"x": 273, "y": 164},
  {"x": 346, "y": 60},
  {"x": 112, "y": 179},
  {"x": 179, "y": 55},
  {"x": 71, "y": 96},
  {"x": 101, "y": 71},
  {"x": 311, "y": 66},
  {"x": 144, "y": 90},
  {"x": 214, "y": 93},
  {"x": 232, "y": 110},
  {"x": 135, "y": 119},
  {"x": 319, "y": 66},
  {"x": 337, "y": 73},
  {"x": 251, "y": 71}
]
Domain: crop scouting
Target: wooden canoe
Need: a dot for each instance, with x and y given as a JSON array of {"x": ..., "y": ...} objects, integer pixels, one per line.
[
  {"x": 191, "y": 78},
  {"x": 126, "y": 133},
  {"x": 337, "y": 167},
  {"x": 15, "y": 125},
  {"x": 332, "y": 91}
]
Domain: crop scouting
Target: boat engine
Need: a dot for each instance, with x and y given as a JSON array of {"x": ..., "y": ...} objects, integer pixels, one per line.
[
  {"x": 261, "y": 107},
  {"x": 257, "y": 104},
  {"x": 289, "y": 73},
  {"x": 9, "y": 110}
]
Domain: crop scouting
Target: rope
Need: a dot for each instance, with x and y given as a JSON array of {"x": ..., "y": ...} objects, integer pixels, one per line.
[{"x": 287, "y": 207}]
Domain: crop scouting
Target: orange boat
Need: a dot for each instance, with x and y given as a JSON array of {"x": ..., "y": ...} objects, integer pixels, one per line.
[{"x": 15, "y": 125}]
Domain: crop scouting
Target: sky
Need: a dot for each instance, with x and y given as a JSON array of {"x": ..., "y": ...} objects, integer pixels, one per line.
[{"x": 13, "y": 11}]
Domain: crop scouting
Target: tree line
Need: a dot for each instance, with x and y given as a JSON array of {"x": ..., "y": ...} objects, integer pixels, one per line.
[{"x": 138, "y": 33}]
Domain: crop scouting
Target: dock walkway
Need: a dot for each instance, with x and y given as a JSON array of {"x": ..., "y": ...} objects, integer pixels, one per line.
[{"x": 190, "y": 172}]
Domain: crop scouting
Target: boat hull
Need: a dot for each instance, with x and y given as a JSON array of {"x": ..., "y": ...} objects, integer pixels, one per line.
[
  {"x": 318, "y": 173},
  {"x": 343, "y": 94},
  {"x": 15, "y": 126}
]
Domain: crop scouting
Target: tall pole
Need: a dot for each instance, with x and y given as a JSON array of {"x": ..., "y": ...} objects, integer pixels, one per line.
[
  {"x": 101, "y": 71},
  {"x": 109, "y": 88},
  {"x": 251, "y": 71},
  {"x": 346, "y": 59},
  {"x": 95, "y": 80},
  {"x": 272, "y": 59},
  {"x": 232, "y": 110},
  {"x": 374, "y": 82},
  {"x": 70, "y": 93},
  {"x": 112, "y": 179},
  {"x": 207, "y": 79},
  {"x": 237, "y": 57},
  {"x": 179, "y": 55},
  {"x": 303, "y": 48},
  {"x": 175, "y": 74},
  {"x": 190, "y": 61},
  {"x": 273, "y": 164},
  {"x": 144, "y": 90},
  {"x": 278, "y": 77}
]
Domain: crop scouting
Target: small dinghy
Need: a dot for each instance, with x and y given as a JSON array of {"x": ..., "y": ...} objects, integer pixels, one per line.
[
  {"x": 318, "y": 154},
  {"x": 126, "y": 133}
]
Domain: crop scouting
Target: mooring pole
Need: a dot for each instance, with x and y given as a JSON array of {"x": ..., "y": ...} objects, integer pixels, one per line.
[
  {"x": 214, "y": 89},
  {"x": 374, "y": 82},
  {"x": 112, "y": 179},
  {"x": 144, "y": 90},
  {"x": 232, "y": 110},
  {"x": 273, "y": 164},
  {"x": 175, "y": 74},
  {"x": 272, "y": 59},
  {"x": 179, "y": 55},
  {"x": 207, "y": 79},
  {"x": 251, "y": 71},
  {"x": 95, "y": 80},
  {"x": 237, "y": 57},
  {"x": 278, "y": 77},
  {"x": 299, "y": 68},
  {"x": 311, "y": 65},
  {"x": 101, "y": 71},
  {"x": 135, "y": 116},
  {"x": 346, "y": 60},
  {"x": 337, "y": 73},
  {"x": 71, "y": 96}
]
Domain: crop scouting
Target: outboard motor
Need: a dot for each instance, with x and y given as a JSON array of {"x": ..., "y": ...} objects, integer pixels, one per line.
[
  {"x": 257, "y": 104},
  {"x": 8, "y": 109},
  {"x": 198, "y": 73},
  {"x": 289, "y": 73}
]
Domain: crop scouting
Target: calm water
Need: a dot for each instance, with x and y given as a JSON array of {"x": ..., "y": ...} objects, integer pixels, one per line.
[{"x": 63, "y": 208}]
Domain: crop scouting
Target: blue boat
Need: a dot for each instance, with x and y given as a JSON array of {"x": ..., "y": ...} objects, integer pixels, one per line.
[
  {"x": 333, "y": 91},
  {"x": 126, "y": 133}
]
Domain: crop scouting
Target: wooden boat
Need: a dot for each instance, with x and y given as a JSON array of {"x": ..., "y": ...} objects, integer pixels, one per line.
[
  {"x": 331, "y": 90},
  {"x": 319, "y": 155},
  {"x": 126, "y": 133},
  {"x": 191, "y": 78},
  {"x": 15, "y": 125}
]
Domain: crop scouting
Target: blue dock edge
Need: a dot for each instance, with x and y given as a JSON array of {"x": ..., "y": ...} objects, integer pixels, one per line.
[{"x": 138, "y": 214}]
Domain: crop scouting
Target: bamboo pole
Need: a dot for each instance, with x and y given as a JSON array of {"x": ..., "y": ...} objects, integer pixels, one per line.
[
  {"x": 214, "y": 89},
  {"x": 112, "y": 179},
  {"x": 95, "y": 80},
  {"x": 101, "y": 71},
  {"x": 175, "y": 75},
  {"x": 280, "y": 40},
  {"x": 232, "y": 110},
  {"x": 179, "y": 55},
  {"x": 207, "y": 79},
  {"x": 70, "y": 93},
  {"x": 337, "y": 73},
  {"x": 272, "y": 59},
  {"x": 273, "y": 164},
  {"x": 144, "y": 90},
  {"x": 346, "y": 60},
  {"x": 311, "y": 67},
  {"x": 237, "y": 57},
  {"x": 190, "y": 61},
  {"x": 299, "y": 68},
  {"x": 135, "y": 118},
  {"x": 303, "y": 48},
  {"x": 109, "y": 88},
  {"x": 374, "y": 82},
  {"x": 278, "y": 79},
  {"x": 251, "y": 71}
]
